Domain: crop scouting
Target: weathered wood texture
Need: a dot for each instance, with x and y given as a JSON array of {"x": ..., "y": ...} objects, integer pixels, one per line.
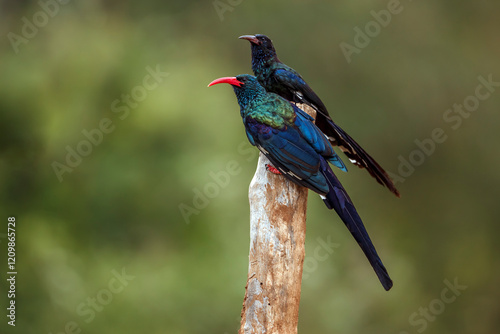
[{"x": 277, "y": 236}]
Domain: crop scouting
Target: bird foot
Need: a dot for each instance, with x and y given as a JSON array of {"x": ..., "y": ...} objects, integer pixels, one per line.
[{"x": 272, "y": 169}]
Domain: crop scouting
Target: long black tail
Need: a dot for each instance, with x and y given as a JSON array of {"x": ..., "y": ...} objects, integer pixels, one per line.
[
  {"x": 338, "y": 199},
  {"x": 355, "y": 152}
]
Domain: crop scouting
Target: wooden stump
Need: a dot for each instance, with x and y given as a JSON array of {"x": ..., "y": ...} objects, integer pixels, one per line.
[{"x": 277, "y": 250}]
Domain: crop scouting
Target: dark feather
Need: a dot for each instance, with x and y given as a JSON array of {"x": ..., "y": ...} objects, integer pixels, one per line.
[
  {"x": 359, "y": 157},
  {"x": 338, "y": 199}
]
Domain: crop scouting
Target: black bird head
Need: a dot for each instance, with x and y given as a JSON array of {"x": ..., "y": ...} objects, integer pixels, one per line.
[
  {"x": 263, "y": 52},
  {"x": 246, "y": 87},
  {"x": 262, "y": 41}
]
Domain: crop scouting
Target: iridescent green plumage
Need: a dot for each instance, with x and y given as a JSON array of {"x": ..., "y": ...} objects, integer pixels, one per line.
[{"x": 271, "y": 110}]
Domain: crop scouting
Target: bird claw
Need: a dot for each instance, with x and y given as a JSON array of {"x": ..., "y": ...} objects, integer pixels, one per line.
[{"x": 272, "y": 169}]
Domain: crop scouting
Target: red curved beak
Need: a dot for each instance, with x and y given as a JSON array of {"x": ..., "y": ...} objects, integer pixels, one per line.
[
  {"x": 230, "y": 80},
  {"x": 250, "y": 38}
]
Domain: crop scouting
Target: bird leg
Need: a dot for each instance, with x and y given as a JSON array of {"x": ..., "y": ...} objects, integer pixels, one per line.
[{"x": 272, "y": 169}]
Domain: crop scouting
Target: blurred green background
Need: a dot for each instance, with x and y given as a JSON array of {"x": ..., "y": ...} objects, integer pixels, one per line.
[{"x": 120, "y": 207}]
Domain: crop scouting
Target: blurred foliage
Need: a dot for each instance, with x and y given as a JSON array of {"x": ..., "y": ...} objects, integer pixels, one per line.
[{"x": 120, "y": 206}]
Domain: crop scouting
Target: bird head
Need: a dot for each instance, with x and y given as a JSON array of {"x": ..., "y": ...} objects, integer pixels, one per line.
[
  {"x": 246, "y": 87},
  {"x": 262, "y": 47}
]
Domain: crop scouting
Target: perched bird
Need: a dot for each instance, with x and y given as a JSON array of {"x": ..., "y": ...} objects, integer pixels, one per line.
[
  {"x": 283, "y": 80},
  {"x": 299, "y": 151}
]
